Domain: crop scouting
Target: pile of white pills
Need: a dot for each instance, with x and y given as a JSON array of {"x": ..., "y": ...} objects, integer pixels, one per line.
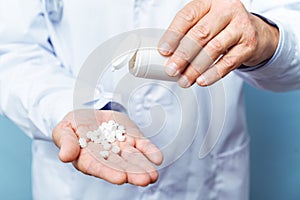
[{"x": 107, "y": 134}]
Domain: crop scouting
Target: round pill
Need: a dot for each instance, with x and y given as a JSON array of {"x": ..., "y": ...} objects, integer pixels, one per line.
[
  {"x": 104, "y": 154},
  {"x": 116, "y": 149},
  {"x": 111, "y": 139},
  {"x": 89, "y": 134},
  {"x": 121, "y": 138},
  {"x": 106, "y": 145},
  {"x": 82, "y": 142},
  {"x": 122, "y": 128}
]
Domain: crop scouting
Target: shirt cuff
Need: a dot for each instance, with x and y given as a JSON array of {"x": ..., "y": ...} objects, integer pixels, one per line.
[{"x": 114, "y": 106}]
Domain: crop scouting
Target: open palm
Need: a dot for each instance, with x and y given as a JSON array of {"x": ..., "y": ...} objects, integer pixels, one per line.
[{"x": 134, "y": 163}]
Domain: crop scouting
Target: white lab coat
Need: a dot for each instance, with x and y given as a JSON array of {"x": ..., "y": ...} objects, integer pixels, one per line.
[{"x": 36, "y": 91}]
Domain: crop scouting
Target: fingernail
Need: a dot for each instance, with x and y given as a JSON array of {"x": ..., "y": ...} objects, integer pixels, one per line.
[
  {"x": 171, "y": 69},
  {"x": 164, "y": 48},
  {"x": 183, "y": 82},
  {"x": 201, "y": 80}
]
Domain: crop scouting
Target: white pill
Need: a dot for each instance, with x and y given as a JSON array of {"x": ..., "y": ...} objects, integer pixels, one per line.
[
  {"x": 97, "y": 132},
  {"x": 113, "y": 133},
  {"x": 111, "y": 128},
  {"x": 97, "y": 140},
  {"x": 114, "y": 128},
  {"x": 101, "y": 128},
  {"x": 104, "y": 154},
  {"x": 111, "y": 139},
  {"x": 121, "y": 138},
  {"x": 104, "y": 125},
  {"x": 106, "y": 145},
  {"x": 121, "y": 128},
  {"x": 120, "y": 132},
  {"x": 106, "y": 134},
  {"x": 112, "y": 122},
  {"x": 89, "y": 134},
  {"x": 115, "y": 149},
  {"x": 101, "y": 137},
  {"x": 93, "y": 138},
  {"x": 82, "y": 142}
]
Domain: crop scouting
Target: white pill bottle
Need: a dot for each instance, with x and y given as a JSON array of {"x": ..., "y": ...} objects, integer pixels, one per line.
[
  {"x": 149, "y": 63},
  {"x": 143, "y": 59}
]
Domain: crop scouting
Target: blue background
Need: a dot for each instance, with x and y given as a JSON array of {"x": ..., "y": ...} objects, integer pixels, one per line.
[{"x": 273, "y": 123}]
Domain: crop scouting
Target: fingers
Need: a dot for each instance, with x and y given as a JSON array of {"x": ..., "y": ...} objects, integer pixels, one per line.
[
  {"x": 128, "y": 167},
  {"x": 196, "y": 38},
  {"x": 91, "y": 163},
  {"x": 149, "y": 150},
  {"x": 145, "y": 146},
  {"x": 139, "y": 169},
  {"x": 188, "y": 77},
  {"x": 226, "y": 64},
  {"x": 182, "y": 56},
  {"x": 209, "y": 26},
  {"x": 205, "y": 32},
  {"x": 183, "y": 21},
  {"x": 211, "y": 52},
  {"x": 65, "y": 138}
]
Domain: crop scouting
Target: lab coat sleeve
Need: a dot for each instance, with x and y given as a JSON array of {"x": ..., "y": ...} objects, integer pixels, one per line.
[
  {"x": 36, "y": 91},
  {"x": 282, "y": 71}
]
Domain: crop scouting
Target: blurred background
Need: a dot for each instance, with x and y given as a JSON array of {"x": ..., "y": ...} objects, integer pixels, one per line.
[
  {"x": 273, "y": 124},
  {"x": 15, "y": 164}
]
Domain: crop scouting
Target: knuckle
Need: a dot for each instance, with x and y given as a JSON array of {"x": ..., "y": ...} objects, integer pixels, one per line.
[
  {"x": 190, "y": 13},
  {"x": 183, "y": 53},
  {"x": 229, "y": 62},
  {"x": 216, "y": 46},
  {"x": 197, "y": 69},
  {"x": 187, "y": 14},
  {"x": 200, "y": 33},
  {"x": 202, "y": 6},
  {"x": 220, "y": 72}
]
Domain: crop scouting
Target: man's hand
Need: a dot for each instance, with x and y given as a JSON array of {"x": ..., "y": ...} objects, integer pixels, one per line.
[
  {"x": 134, "y": 164},
  {"x": 205, "y": 30}
]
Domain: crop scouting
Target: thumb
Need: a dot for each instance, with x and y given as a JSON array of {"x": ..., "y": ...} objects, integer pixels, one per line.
[{"x": 65, "y": 138}]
